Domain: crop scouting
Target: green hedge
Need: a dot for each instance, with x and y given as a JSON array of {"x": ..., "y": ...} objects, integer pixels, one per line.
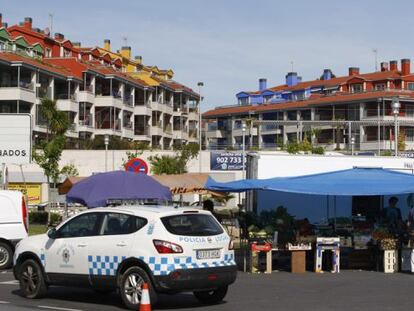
[
  {"x": 38, "y": 218},
  {"x": 41, "y": 218}
]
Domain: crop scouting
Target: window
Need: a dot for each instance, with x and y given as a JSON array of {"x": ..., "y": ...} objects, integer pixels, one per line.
[
  {"x": 410, "y": 86},
  {"x": 192, "y": 225},
  {"x": 380, "y": 86},
  {"x": 48, "y": 53},
  {"x": 356, "y": 88},
  {"x": 244, "y": 101},
  {"x": 115, "y": 223},
  {"x": 81, "y": 226}
]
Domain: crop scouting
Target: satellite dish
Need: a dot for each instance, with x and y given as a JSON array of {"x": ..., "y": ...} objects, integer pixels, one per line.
[{"x": 47, "y": 31}]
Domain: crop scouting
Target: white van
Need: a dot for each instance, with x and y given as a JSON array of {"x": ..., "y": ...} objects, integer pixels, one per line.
[{"x": 14, "y": 224}]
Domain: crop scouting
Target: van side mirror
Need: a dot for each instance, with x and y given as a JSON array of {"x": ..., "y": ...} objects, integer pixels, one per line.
[{"x": 52, "y": 234}]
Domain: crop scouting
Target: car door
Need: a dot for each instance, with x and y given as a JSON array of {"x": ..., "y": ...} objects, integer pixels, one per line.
[
  {"x": 67, "y": 255},
  {"x": 112, "y": 247}
]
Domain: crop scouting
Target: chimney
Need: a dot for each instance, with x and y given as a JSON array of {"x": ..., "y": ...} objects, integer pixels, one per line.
[
  {"x": 299, "y": 79},
  {"x": 126, "y": 52},
  {"x": 76, "y": 44},
  {"x": 327, "y": 74},
  {"x": 1, "y": 20},
  {"x": 262, "y": 84},
  {"x": 393, "y": 65},
  {"x": 59, "y": 36},
  {"x": 353, "y": 71},
  {"x": 405, "y": 66},
  {"x": 384, "y": 66},
  {"x": 5, "y": 25},
  {"x": 138, "y": 59},
  {"x": 28, "y": 22},
  {"x": 107, "y": 44},
  {"x": 291, "y": 78}
]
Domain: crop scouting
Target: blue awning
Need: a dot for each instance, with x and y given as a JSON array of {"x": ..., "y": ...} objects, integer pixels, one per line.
[{"x": 351, "y": 182}]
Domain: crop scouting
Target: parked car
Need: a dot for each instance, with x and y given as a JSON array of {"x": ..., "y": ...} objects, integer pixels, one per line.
[
  {"x": 171, "y": 249},
  {"x": 13, "y": 224}
]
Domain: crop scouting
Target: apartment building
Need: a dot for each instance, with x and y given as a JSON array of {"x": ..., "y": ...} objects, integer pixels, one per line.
[
  {"x": 332, "y": 111},
  {"x": 103, "y": 92}
]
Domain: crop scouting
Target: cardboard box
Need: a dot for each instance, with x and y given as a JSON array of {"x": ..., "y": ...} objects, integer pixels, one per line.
[{"x": 298, "y": 262}]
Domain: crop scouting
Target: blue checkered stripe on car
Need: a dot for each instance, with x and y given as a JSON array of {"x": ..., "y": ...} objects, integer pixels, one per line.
[
  {"x": 43, "y": 259},
  {"x": 165, "y": 265},
  {"x": 108, "y": 265},
  {"x": 104, "y": 265}
]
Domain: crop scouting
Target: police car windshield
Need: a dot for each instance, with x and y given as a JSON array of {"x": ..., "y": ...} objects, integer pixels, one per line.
[{"x": 192, "y": 225}]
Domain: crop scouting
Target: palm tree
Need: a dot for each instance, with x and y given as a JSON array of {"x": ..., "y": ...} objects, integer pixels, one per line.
[{"x": 57, "y": 122}]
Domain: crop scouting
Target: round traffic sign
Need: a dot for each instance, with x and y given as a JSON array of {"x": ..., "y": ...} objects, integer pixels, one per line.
[{"x": 136, "y": 165}]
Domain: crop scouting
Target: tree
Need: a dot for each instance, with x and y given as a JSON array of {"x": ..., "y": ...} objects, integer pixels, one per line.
[
  {"x": 48, "y": 152},
  {"x": 69, "y": 170},
  {"x": 174, "y": 164}
]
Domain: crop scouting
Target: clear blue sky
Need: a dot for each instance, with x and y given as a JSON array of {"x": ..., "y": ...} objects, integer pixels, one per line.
[{"x": 229, "y": 44}]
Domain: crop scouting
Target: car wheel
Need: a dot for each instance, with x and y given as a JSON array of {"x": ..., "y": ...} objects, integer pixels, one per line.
[
  {"x": 131, "y": 287},
  {"x": 32, "y": 282},
  {"x": 212, "y": 296},
  {"x": 6, "y": 256}
]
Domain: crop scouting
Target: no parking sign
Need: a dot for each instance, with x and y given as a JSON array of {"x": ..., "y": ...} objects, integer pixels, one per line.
[{"x": 136, "y": 165}]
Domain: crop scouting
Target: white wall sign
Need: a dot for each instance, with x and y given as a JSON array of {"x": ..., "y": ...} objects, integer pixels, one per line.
[{"x": 15, "y": 138}]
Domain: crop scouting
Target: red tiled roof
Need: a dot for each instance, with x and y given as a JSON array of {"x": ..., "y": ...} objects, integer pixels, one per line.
[
  {"x": 78, "y": 66},
  {"x": 54, "y": 69},
  {"x": 181, "y": 87},
  {"x": 314, "y": 100}
]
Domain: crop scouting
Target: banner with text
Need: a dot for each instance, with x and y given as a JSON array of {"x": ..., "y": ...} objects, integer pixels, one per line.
[{"x": 226, "y": 161}]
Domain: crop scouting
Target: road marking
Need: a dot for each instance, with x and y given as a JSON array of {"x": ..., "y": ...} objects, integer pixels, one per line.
[
  {"x": 14, "y": 282},
  {"x": 4, "y": 302},
  {"x": 58, "y": 308}
]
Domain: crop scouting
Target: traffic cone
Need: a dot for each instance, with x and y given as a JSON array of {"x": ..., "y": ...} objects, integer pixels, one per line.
[{"x": 145, "y": 304}]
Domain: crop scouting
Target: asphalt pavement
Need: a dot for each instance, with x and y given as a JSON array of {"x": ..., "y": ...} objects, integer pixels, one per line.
[{"x": 349, "y": 290}]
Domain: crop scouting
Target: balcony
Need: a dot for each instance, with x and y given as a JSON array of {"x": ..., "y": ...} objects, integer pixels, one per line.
[
  {"x": 67, "y": 105},
  {"x": 157, "y": 130},
  {"x": 24, "y": 93},
  {"x": 142, "y": 133},
  {"x": 142, "y": 110},
  {"x": 129, "y": 101},
  {"x": 270, "y": 129},
  {"x": 72, "y": 131},
  {"x": 238, "y": 131},
  {"x": 108, "y": 101},
  {"x": 86, "y": 125},
  {"x": 128, "y": 130},
  {"x": 86, "y": 96},
  {"x": 168, "y": 129}
]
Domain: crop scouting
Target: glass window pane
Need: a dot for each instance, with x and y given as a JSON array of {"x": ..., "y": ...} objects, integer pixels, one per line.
[{"x": 80, "y": 226}]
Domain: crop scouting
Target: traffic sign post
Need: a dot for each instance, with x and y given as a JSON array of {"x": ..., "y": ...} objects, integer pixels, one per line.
[{"x": 136, "y": 165}]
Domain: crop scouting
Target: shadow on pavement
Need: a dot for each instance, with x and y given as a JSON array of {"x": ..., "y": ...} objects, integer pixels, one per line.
[{"x": 87, "y": 296}]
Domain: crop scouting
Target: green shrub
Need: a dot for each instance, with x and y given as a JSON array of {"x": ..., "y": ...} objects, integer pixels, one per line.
[
  {"x": 55, "y": 219},
  {"x": 38, "y": 218},
  {"x": 318, "y": 150}
]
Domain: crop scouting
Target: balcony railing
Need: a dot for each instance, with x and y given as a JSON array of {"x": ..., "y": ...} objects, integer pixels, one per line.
[
  {"x": 129, "y": 101},
  {"x": 128, "y": 125},
  {"x": 66, "y": 96},
  {"x": 142, "y": 130},
  {"x": 26, "y": 85},
  {"x": 44, "y": 92},
  {"x": 168, "y": 129},
  {"x": 86, "y": 122}
]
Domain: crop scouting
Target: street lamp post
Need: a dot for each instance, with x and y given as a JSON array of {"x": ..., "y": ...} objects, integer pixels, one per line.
[
  {"x": 200, "y": 141},
  {"x": 244, "y": 149},
  {"x": 106, "y": 142},
  {"x": 352, "y": 145},
  {"x": 396, "y": 111}
]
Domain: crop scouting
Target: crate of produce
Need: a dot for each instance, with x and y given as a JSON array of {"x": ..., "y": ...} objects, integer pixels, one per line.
[{"x": 390, "y": 261}]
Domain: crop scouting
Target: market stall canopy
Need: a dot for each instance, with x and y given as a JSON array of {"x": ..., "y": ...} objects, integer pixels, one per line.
[
  {"x": 68, "y": 184},
  {"x": 185, "y": 183},
  {"x": 98, "y": 189},
  {"x": 351, "y": 182}
]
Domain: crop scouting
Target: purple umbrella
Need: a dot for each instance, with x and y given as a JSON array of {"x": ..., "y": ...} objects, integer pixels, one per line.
[{"x": 97, "y": 189}]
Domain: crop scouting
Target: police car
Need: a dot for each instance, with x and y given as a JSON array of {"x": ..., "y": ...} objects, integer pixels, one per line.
[{"x": 172, "y": 249}]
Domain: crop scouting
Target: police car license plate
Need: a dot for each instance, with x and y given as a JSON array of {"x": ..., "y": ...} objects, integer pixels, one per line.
[{"x": 208, "y": 254}]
